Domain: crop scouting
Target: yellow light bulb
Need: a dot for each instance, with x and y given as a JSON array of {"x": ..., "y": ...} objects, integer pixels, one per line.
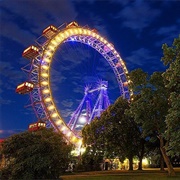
[
  {"x": 66, "y": 33},
  {"x": 45, "y": 91},
  {"x": 97, "y": 36},
  {"x": 73, "y": 138},
  {"x": 44, "y": 67},
  {"x": 44, "y": 75},
  {"x": 54, "y": 42},
  {"x": 44, "y": 83},
  {"x": 48, "y": 99},
  {"x": 47, "y": 59},
  {"x": 63, "y": 128},
  {"x": 48, "y": 53},
  {"x": 62, "y": 35},
  {"x": 114, "y": 52},
  {"x": 51, "y": 47},
  {"x": 88, "y": 32},
  {"x": 51, "y": 107},
  {"x": 58, "y": 39},
  {"x": 85, "y": 31},
  {"x": 109, "y": 45},
  {"x": 71, "y": 31},
  {"x": 80, "y": 31},
  {"x": 54, "y": 115},
  {"x": 59, "y": 122},
  {"x": 93, "y": 34},
  {"x": 69, "y": 133},
  {"x": 101, "y": 39},
  {"x": 111, "y": 48},
  {"x": 76, "y": 31}
]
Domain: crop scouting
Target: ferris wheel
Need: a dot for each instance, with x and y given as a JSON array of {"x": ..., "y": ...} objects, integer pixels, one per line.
[{"x": 38, "y": 84}]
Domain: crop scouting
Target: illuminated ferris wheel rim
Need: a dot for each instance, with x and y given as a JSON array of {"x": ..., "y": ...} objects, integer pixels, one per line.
[{"x": 86, "y": 36}]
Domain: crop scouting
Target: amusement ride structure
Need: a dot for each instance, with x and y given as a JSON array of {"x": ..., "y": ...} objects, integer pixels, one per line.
[
  {"x": 79, "y": 118},
  {"x": 38, "y": 84}
]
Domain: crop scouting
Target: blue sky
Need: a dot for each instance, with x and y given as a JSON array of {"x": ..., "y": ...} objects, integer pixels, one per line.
[{"x": 137, "y": 29}]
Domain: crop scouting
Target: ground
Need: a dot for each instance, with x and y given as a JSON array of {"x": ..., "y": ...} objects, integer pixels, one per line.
[{"x": 146, "y": 174}]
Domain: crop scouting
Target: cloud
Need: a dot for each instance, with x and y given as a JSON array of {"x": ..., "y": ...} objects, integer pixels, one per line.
[
  {"x": 9, "y": 79},
  {"x": 71, "y": 54},
  {"x": 167, "y": 30},
  {"x": 145, "y": 59},
  {"x": 56, "y": 78},
  {"x": 87, "y": 1},
  {"x": 167, "y": 34},
  {"x": 5, "y": 101},
  {"x": 122, "y": 3},
  {"x": 10, "y": 76},
  {"x": 14, "y": 32},
  {"x": 100, "y": 25},
  {"x": 24, "y": 20},
  {"x": 6, "y": 133},
  {"x": 1, "y": 84},
  {"x": 139, "y": 57},
  {"x": 138, "y": 15},
  {"x": 67, "y": 103},
  {"x": 66, "y": 113}
]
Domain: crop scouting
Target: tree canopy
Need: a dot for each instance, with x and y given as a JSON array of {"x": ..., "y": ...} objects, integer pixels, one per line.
[
  {"x": 171, "y": 77},
  {"x": 114, "y": 133},
  {"x": 41, "y": 154},
  {"x": 150, "y": 108}
]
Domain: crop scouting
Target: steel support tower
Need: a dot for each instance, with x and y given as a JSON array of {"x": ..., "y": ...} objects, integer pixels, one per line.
[{"x": 88, "y": 109}]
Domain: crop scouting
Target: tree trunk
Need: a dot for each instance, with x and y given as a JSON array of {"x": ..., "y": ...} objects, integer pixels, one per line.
[
  {"x": 141, "y": 154},
  {"x": 140, "y": 163},
  {"x": 161, "y": 163},
  {"x": 130, "y": 163},
  {"x": 171, "y": 171}
]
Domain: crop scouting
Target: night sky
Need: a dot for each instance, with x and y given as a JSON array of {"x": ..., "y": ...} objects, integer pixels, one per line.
[{"x": 137, "y": 29}]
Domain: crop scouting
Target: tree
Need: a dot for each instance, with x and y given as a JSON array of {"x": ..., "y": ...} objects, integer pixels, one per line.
[
  {"x": 171, "y": 77},
  {"x": 42, "y": 154},
  {"x": 122, "y": 133},
  {"x": 114, "y": 133},
  {"x": 91, "y": 160},
  {"x": 94, "y": 153},
  {"x": 149, "y": 107}
]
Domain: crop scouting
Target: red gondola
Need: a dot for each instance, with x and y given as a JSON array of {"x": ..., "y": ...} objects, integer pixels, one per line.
[
  {"x": 24, "y": 88},
  {"x": 36, "y": 126},
  {"x": 125, "y": 83},
  {"x": 95, "y": 31},
  {"x": 49, "y": 31},
  {"x": 72, "y": 24},
  {"x": 31, "y": 52}
]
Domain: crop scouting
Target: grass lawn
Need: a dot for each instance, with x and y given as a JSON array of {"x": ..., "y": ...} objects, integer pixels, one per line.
[{"x": 122, "y": 175}]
